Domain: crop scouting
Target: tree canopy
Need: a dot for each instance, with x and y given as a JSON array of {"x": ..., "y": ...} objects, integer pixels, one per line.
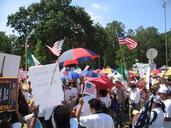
[{"x": 53, "y": 20}]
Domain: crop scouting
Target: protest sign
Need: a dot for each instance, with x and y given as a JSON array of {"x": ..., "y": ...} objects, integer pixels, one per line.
[
  {"x": 46, "y": 85},
  {"x": 89, "y": 88},
  {"x": 141, "y": 69},
  {"x": 8, "y": 93},
  {"x": 9, "y": 65}
]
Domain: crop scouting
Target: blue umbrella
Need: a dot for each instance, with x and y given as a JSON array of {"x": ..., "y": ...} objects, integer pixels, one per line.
[
  {"x": 70, "y": 75},
  {"x": 89, "y": 74}
]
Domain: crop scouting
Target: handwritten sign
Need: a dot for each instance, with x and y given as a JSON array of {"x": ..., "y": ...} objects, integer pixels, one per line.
[
  {"x": 8, "y": 93},
  {"x": 46, "y": 85}
]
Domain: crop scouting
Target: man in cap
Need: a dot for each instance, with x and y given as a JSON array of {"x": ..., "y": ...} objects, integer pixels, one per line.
[
  {"x": 134, "y": 97},
  {"x": 118, "y": 95},
  {"x": 165, "y": 96},
  {"x": 157, "y": 113}
]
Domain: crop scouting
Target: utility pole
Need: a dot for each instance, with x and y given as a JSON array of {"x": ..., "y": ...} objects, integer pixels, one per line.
[{"x": 166, "y": 49}]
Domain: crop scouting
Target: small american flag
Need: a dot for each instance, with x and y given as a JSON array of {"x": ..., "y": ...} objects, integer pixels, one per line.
[
  {"x": 89, "y": 88},
  {"x": 131, "y": 44},
  {"x": 57, "y": 47}
]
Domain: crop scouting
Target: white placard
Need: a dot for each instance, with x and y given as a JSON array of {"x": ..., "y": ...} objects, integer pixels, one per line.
[
  {"x": 9, "y": 65},
  {"x": 46, "y": 93},
  {"x": 148, "y": 79}
]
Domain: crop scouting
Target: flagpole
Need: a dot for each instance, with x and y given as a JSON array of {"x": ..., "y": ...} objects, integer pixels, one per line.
[
  {"x": 26, "y": 46},
  {"x": 123, "y": 59}
]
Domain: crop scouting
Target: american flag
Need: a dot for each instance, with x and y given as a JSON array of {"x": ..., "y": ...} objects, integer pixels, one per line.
[
  {"x": 144, "y": 117},
  {"x": 57, "y": 47},
  {"x": 131, "y": 44},
  {"x": 89, "y": 88}
]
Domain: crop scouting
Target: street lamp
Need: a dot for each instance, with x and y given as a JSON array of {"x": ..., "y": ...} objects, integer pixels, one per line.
[{"x": 164, "y": 6}]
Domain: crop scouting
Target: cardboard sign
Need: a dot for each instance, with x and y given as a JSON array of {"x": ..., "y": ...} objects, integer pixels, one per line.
[
  {"x": 9, "y": 65},
  {"x": 46, "y": 85},
  {"x": 8, "y": 93},
  {"x": 89, "y": 88}
]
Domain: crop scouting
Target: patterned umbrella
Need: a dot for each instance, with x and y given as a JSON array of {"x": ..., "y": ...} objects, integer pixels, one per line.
[
  {"x": 76, "y": 56},
  {"x": 70, "y": 75}
]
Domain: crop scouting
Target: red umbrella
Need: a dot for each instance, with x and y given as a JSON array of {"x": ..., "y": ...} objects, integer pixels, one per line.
[
  {"x": 76, "y": 56},
  {"x": 97, "y": 71},
  {"x": 102, "y": 82}
]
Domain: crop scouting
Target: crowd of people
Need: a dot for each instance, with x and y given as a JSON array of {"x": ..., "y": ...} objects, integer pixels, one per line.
[{"x": 116, "y": 107}]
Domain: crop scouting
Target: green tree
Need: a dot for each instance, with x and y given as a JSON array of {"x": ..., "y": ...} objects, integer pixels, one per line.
[
  {"x": 54, "y": 20},
  {"x": 5, "y": 43},
  {"x": 149, "y": 38}
]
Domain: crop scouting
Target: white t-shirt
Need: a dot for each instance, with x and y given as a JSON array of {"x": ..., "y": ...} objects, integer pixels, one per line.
[
  {"x": 74, "y": 93},
  {"x": 134, "y": 95},
  {"x": 158, "y": 123},
  {"x": 67, "y": 93},
  {"x": 167, "y": 124},
  {"x": 100, "y": 120},
  {"x": 46, "y": 113},
  {"x": 106, "y": 100},
  {"x": 85, "y": 111}
]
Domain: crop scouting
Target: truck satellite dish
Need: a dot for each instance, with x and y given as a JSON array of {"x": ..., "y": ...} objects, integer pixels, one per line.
[{"x": 151, "y": 53}]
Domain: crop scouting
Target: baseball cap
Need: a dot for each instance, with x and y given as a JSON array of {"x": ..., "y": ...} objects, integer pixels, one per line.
[{"x": 163, "y": 90}]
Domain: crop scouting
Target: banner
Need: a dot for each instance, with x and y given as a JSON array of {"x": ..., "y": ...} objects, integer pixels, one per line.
[
  {"x": 46, "y": 85},
  {"x": 8, "y": 93}
]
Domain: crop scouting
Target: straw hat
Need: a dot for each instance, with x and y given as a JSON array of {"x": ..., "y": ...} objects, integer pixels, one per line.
[{"x": 26, "y": 86}]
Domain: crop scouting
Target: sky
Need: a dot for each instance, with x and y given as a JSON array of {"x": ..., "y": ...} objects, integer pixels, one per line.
[{"x": 132, "y": 13}]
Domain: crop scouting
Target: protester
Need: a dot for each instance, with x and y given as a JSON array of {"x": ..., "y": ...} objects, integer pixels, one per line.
[
  {"x": 157, "y": 113},
  {"x": 98, "y": 119},
  {"x": 62, "y": 118},
  {"x": 104, "y": 97},
  {"x": 74, "y": 95},
  {"x": 164, "y": 94},
  {"x": 118, "y": 101},
  {"x": 85, "y": 111},
  {"x": 134, "y": 97}
]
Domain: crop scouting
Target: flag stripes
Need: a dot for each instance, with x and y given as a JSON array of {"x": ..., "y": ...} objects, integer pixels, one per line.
[
  {"x": 57, "y": 47},
  {"x": 130, "y": 43}
]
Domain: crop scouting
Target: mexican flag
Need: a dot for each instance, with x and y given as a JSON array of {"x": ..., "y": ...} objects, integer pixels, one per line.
[
  {"x": 122, "y": 72},
  {"x": 31, "y": 59}
]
